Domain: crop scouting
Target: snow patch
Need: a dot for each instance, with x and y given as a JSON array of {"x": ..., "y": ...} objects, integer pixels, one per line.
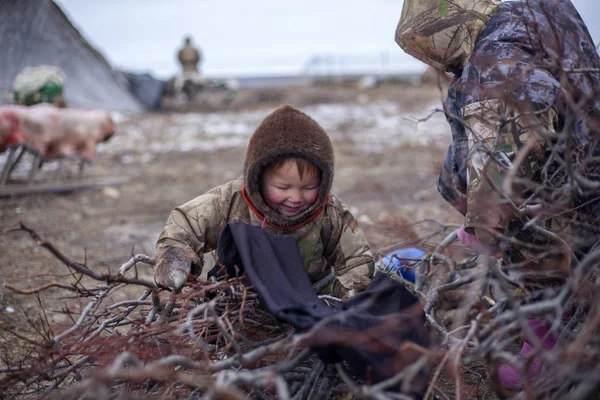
[{"x": 375, "y": 127}]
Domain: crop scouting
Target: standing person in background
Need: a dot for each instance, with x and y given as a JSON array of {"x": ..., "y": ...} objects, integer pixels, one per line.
[
  {"x": 524, "y": 93},
  {"x": 188, "y": 83},
  {"x": 189, "y": 56}
]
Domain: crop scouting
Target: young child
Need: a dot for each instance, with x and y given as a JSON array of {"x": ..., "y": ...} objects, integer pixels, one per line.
[{"x": 288, "y": 173}]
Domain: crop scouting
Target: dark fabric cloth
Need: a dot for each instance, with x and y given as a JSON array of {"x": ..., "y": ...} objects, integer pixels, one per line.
[
  {"x": 147, "y": 89},
  {"x": 369, "y": 331},
  {"x": 520, "y": 56}
]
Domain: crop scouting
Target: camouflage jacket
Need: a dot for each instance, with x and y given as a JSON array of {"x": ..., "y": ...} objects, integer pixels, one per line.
[
  {"x": 513, "y": 93},
  {"x": 332, "y": 241}
]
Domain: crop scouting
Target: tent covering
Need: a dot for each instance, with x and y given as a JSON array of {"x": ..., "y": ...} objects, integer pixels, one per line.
[{"x": 37, "y": 32}]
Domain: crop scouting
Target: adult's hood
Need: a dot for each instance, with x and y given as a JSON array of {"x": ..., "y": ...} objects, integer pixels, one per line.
[
  {"x": 287, "y": 132},
  {"x": 442, "y": 33}
]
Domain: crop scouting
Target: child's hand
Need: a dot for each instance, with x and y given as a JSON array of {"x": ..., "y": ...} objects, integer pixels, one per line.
[
  {"x": 172, "y": 276},
  {"x": 172, "y": 268}
]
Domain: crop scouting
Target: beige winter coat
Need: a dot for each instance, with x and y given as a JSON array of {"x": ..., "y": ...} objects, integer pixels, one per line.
[{"x": 332, "y": 241}]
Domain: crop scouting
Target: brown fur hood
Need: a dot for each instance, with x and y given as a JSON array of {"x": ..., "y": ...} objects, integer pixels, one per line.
[{"x": 287, "y": 132}]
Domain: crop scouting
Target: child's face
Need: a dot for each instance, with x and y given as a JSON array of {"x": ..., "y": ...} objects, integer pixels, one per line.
[{"x": 285, "y": 192}]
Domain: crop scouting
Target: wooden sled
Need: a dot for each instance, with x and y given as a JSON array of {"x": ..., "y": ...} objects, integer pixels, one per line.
[{"x": 14, "y": 187}]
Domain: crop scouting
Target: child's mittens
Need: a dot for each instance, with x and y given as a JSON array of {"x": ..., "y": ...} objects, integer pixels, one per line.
[
  {"x": 169, "y": 275},
  {"x": 173, "y": 265}
]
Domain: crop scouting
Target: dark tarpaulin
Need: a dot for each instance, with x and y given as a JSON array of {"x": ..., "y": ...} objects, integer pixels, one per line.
[
  {"x": 146, "y": 88},
  {"x": 37, "y": 32}
]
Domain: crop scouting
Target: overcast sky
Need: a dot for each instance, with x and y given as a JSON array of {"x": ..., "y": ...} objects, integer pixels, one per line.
[{"x": 251, "y": 37}]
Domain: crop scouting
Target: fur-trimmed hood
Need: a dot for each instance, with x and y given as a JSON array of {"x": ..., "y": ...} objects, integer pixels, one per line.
[{"x": 287, "y": 132}]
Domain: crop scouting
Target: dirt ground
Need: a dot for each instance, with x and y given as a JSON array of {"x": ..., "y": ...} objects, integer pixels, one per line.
[
  {"x": 383, "y": 182},
  {"x": 386, "y": 170}
]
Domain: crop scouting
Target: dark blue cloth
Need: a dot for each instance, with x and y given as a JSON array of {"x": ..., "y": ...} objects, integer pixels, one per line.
[{"x": 367, "y": 331}]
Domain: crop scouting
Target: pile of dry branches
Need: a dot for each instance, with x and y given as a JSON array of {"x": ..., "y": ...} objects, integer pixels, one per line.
[
  {"x": 491, "y": 313},
  {"x": 211, "y": 340},
  {"x": 214, "y": 339}
]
